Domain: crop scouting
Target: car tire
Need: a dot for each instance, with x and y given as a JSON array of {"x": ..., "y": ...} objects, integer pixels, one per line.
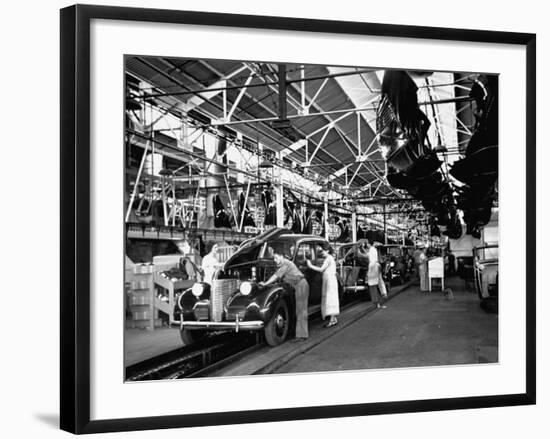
[
  {"x": 189, "y": 337},
  {"x": 277, "y": 328}
]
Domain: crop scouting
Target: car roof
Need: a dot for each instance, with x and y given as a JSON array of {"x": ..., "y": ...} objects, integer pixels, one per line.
[{"x": 297, "y": 236}]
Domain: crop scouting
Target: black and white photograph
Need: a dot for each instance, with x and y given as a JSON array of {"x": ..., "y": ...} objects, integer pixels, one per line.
[
  {"x": 287, "y": 218},
  {"x": 275, "y": 219}
]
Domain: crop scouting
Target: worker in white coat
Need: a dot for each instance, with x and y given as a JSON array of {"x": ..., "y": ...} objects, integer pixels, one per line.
[
  {"x": 210, "y": 262},
  {"x": 374, "y": 276}
]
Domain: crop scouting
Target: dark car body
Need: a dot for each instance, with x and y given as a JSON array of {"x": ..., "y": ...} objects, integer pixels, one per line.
[
  {"x": 353, "y": 267},
  {"x": 397, "y": 262},
  {"x": 486, "y": 271},
  {"x": 222, "y": 305}
]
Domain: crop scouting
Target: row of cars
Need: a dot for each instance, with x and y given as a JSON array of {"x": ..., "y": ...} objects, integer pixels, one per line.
[
  {"x": 397, "y": 264},
  {"x": 480, "y": 268},
  {"x": 485, "y": 268},
  {"x": 235, "y": 301}
]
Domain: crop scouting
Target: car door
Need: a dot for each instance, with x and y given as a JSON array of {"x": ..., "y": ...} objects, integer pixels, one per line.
[
  {"x": 349, "y": 267},
  {"x": 478, "y": 286},
  {"x": 305, "y": 252}
]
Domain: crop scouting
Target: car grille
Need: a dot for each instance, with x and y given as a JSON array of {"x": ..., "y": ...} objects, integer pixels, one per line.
[{"x": 221, "y": 290}]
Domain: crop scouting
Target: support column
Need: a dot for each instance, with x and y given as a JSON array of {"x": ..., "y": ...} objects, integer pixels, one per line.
[
  {"x": 385, "y": 225},
  {"x": 326, "y": 217},
  {"x": 353, "y": 227},
  {"x": 279, "y": 194},
  {"x": 184, "y": 134},
  {"x": 280, "y": 205},
  {"x": 282, "y": 91}
]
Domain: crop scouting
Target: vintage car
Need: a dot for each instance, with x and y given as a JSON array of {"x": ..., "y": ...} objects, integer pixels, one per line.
[
  {"x": 486, "y": 271},
  {"x": 236, "y": 302},
  {"x": 397, "y": 263},
  {"x": 352, "y": 268}
]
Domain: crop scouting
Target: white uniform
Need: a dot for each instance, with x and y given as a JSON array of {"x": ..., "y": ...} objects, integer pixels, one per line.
[
  {"x": 373, "y": 274},
  {"x": 330, "y": 305},
  {"x": 209, "y": 265}
]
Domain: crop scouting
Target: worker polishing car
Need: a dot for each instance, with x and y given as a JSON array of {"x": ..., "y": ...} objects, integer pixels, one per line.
[{"x": 238, "y": 299}]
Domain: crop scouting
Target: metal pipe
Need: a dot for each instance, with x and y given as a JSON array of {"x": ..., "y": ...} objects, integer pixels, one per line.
[
  {"x": 385, "y": 225},
  {"x": 230, "y": 198},
  {"x": 245, "y": 205},
  {"x": 305, "y": 165},
  {"x": 282, "y": 91},
  {"x": 354, "y": 227},
  {"x": 326, "y": 219},
  {"x": 348, "y": 110}
]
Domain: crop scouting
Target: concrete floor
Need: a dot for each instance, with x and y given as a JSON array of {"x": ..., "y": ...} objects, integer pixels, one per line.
[{"x": 416, "y": 329}]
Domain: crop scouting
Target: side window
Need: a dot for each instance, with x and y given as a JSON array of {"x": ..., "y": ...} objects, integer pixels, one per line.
[
  {"x": 305, "y": 251},
  {"x": 284, "y": 247}
]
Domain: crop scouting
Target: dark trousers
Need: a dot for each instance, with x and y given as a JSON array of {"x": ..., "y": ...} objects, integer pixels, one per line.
[
  {"x": 301, "y": 291},
  {"x": 375, "y": 295}
]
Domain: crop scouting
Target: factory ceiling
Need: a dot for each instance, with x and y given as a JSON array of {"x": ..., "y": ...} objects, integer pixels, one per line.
[{"x": 331, "y": 110}]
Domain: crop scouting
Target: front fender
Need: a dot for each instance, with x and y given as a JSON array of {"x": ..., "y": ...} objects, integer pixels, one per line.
[
  {"x": 186, "y": 301},
  {"x": 259, "y": 304},
  {"x": 270, "y": 298}
]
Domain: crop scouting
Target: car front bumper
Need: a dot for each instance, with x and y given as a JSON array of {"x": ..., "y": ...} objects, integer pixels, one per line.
[{"x": 251, "y": 325}]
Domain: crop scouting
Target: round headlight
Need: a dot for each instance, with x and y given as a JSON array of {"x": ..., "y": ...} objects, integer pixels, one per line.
[
  {"x": 197, "y": 290},
  {"x": 245, "y": 288},
  {"x": 392, "y": 264}
]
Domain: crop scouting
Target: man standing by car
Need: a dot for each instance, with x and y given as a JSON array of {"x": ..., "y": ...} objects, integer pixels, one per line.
[{"x": 290, "y": 274}]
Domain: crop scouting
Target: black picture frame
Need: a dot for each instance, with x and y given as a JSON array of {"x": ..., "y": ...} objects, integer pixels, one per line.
[{"x": 75, "y": 217}]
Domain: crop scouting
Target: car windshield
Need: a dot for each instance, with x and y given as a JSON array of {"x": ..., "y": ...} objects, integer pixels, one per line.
[
  {"x": 393, "y": 251},
  {"x": 284, "y": 247},
  {"x": 487, "y": 253}
]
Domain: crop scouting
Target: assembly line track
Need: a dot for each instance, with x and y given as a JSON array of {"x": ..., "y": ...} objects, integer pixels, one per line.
[
  {"x": 190, "y": 360},
  {"x": 200, "y": 359}
]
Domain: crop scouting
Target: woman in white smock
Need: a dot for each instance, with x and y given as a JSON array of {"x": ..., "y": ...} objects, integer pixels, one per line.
[
  {"x": 330, "y": 304},
  {"x": 377, "y": 289}
]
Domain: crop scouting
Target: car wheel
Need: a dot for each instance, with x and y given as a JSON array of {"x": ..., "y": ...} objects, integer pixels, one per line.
[
  {"x": 276, "y": 329},
  {"x": 189, "y": 337}
]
